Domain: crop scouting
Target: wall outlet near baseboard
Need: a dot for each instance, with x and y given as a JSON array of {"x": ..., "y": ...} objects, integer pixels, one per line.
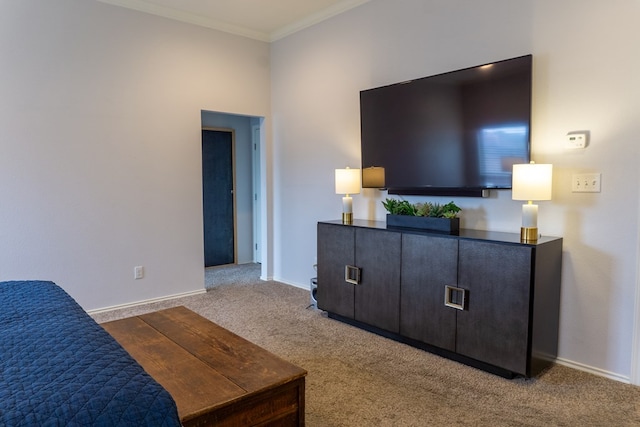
[{"x": 138, "y": 272}]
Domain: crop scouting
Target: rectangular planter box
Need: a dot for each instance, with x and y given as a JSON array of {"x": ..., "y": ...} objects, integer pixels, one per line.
[{"x": 443, "y": 225}]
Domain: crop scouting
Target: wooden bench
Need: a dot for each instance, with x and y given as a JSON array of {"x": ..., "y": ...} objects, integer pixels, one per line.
[{"x": 215, "y": 376}]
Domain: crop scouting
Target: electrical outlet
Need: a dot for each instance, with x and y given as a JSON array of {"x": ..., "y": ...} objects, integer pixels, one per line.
[
  {"x": 585, "y": 183},
  {"x": 138, "y": 272}
]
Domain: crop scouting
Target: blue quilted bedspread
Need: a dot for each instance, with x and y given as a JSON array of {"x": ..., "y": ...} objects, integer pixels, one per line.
[{"x": 58, "y": 367}]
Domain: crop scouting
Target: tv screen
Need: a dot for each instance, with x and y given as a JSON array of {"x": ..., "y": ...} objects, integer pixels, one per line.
[{"x": 456, "y": 133}]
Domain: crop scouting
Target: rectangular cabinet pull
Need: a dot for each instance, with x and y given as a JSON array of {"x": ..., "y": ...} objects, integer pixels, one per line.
[
  {"x": 455, "y": 297},
  {"x": 352, "y": 274}
]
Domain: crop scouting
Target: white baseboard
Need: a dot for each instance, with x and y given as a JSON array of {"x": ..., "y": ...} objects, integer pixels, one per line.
[
  {"x": 565, "y": 362},
  {"x": 137, "y": 303},
  {"x": 295, "y": 285},
  {"x": 559, "y": 360},
  {"x": 592, "y": 370}
]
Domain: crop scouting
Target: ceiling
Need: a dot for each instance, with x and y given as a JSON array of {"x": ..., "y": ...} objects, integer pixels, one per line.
[{"x": 265, "y": 20}]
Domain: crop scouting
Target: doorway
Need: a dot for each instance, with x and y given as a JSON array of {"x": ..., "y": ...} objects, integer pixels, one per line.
[
  {"x": 249, "y": 183},
  {"x": 218, "y": 196}
]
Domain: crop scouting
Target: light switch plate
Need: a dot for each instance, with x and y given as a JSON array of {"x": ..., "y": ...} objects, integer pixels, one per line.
[{"x": 586, "y": 183}]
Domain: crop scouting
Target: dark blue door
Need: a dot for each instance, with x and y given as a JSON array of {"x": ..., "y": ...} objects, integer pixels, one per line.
[{"x": 217, "y": 188}]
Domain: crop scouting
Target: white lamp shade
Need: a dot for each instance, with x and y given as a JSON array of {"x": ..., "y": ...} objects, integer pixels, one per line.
[
  {"x": 373, "y": 177},
  {"x": 532, "y": 181},
  {"x": 347, "y": 181}
]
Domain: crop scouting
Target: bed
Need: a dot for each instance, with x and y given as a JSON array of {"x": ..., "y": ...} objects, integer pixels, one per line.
[{"x": 58, "y": 367}]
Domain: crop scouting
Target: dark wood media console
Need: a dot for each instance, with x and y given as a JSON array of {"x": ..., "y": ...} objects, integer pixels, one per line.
[{"x": 481, "y": 298}]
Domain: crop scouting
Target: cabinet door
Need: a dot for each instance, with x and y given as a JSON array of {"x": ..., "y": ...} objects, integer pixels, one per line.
[
  {"x": 428, "y": 264},
  {"x": 377, "y": 298},
  {"x": 336, "y": 244},
  {"x": 495, "y": 328}
]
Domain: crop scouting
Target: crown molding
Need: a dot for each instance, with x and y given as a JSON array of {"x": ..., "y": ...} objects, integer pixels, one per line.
[
  {"x": 192, "y": 18},
  {"x": 189, "y": 18},
  {"x": 316, "y": 18}
]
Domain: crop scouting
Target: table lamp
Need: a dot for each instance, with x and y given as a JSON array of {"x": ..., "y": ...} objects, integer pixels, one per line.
[
  {"x": 373, "y": 177},
  {"x": 347, "y": 182},
  {"x": 531, "y": 182}
]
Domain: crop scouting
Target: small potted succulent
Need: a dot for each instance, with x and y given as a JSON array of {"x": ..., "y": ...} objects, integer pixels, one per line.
[{"x": 424, "y": 216}]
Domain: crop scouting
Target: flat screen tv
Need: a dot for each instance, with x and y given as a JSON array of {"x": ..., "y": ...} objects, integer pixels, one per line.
[{"x": 451, "y": 134}]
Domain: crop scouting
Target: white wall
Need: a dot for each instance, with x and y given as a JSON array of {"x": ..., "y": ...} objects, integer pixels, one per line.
[
  {"x": 100, "y": 165},
  {"x": 585, "y": 77}
]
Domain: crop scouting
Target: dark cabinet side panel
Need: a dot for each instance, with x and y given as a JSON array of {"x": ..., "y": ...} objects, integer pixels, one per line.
[
  {"x": 546, "y": 305},
  {"x": 336, "y": 245},
  {"x": 377, "y": 300},
  {"x": 495, "y": 328},
  {"x": 428, "y": 264}
]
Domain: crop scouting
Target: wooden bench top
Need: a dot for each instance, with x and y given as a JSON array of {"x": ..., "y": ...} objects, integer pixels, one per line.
[{"x": 214, "y": 375}]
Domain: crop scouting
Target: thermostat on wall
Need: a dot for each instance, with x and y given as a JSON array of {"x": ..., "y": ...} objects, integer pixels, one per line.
[{"x": 576, "y": 140}]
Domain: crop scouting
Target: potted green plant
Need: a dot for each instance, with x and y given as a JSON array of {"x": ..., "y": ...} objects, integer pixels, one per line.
[{"x": 424, "y": 216}]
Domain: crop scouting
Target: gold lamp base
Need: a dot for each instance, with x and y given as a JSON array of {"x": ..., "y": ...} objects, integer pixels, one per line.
[
  {"x": 528, "y": 234},
  {"x": 347, "y": 217}
]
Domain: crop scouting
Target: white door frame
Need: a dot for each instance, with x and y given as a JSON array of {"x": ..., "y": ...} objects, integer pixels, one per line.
[{"x": 256, "y": 194}]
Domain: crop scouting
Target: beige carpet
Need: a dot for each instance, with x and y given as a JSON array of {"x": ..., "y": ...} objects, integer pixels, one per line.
[{"x": 360, "y": 379}]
